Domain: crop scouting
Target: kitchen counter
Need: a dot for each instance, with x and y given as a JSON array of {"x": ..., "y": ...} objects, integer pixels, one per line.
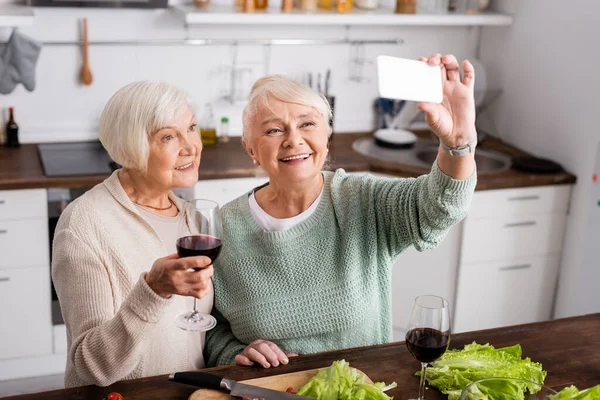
[
  {"x": 569, "y": 349},
  {"x": 22, "y": 169}
]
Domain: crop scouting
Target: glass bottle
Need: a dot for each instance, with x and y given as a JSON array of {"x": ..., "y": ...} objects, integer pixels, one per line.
[
  {"x": 12, "y": 130},
  {"x": 208, "y": 128},
  {"x": 224, "y": 132}
]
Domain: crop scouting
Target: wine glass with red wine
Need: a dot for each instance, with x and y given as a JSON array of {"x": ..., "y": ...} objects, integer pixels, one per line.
[
  {"x": 200, "y": 233},
  {"x": 428, "y": 333}
]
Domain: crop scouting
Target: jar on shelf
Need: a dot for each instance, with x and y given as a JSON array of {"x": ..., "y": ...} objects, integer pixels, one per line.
[
  {"x": 261, "y": 4},
  {"x": 308, "y": 5},
  {"x": 406, "y": 6},
  {"x": 343, "y": 6}
]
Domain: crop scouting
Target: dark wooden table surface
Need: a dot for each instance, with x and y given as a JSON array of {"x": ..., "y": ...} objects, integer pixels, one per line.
[
  {"x": 569, "y": 349},
  {"x": 22, "y": 169}
]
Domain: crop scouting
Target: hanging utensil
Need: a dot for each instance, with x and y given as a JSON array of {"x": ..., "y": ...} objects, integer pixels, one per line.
[{"x": 86, "y": 73}]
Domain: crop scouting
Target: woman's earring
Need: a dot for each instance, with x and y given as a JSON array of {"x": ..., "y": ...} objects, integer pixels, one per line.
[{"x": 255, "y": 162}]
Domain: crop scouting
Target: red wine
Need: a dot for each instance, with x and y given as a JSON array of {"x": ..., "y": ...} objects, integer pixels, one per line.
[
  {"x": 427, "y": 344},
  {"x": 199, "y": 245}
]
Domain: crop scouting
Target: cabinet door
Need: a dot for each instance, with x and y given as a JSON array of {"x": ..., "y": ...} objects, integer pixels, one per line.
[
  {"x": 17, "y": 204},
  {"x": 508, "y": 237},
  {"x": 521, "y": 201},
  {"x": 430, "y": 272},
  {"x": 503, "y": 293},
  {"x": 224, "y": 190},
  {"x": 25, "y": 312},
  {"x": 24, "y": 243}
]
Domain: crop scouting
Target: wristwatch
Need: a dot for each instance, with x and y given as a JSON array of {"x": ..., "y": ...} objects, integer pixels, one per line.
[{"x": 460, "y": 150}]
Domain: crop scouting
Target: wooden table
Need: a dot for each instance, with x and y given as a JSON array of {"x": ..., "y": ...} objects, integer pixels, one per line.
[{"x": 569, "y": 349}]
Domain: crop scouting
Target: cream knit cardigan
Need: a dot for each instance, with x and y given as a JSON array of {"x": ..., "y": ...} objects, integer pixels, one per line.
[{"x": 117, "y": 327}]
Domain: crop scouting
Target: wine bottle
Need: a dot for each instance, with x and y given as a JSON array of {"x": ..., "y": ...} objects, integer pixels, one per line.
[{"x": 12, "y": 130}]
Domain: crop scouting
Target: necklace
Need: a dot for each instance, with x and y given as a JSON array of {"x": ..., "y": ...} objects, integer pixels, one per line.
[{"x": 156, "y": 208}]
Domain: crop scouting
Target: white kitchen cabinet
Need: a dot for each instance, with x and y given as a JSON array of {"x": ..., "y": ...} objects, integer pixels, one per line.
[
  {"x": 418, "y": 273},
  {"x": 23, "y": 242},
  {"x": 26, "y": 337},
  {"x": 19, "y": 204},
  {"x": 510, "y": 249},
  {"x": 508, "y": 237},
  {"x": 502, "y": 293},
  {"x": 25, "y": 313}
]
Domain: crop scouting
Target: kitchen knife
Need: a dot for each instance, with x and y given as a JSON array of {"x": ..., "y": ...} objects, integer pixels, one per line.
[{"x": 210, "y": 381}]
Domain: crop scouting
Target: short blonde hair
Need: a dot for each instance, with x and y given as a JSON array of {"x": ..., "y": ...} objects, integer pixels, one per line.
[
  {"x": 133, "y": 113},
  {"x": 284, "y": 89}
]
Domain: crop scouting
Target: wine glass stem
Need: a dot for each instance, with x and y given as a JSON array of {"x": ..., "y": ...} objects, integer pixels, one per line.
[
  {"x": 195, "y": 310},
  {"x": 422, "y": 383}
]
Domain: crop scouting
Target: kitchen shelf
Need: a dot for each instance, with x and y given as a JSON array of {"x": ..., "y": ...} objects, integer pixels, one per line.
[
  {"x": 13, "y": 15},
  {"x": 223, "y": 15}
]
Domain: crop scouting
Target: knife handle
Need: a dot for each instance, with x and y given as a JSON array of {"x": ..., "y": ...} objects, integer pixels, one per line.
[{"x": 200, "y": 379}]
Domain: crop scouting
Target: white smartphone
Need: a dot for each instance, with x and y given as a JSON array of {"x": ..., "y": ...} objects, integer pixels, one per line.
[{"x": 404, "y": 79}]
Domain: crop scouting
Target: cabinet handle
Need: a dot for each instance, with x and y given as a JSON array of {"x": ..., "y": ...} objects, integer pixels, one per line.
[
  {"x": 514, "y": 267},
  {"x": 520, "y": 198},
  {"x": 517, "y": 224},
  {"x": 4, "y": 279},
  {"x": 3, "y": 231}
]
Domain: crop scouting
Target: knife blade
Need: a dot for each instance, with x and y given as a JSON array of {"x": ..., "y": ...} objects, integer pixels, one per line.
[{"x": 211, "y": 381}]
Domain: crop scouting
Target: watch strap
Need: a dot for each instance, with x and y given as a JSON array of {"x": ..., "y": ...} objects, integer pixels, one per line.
[{"x": 460, "y": 150}]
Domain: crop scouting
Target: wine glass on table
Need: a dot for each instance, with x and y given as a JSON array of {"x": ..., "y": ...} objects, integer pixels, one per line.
[
  {"x": 200, "y": 232},
  {"x": 428, "y": 333}
]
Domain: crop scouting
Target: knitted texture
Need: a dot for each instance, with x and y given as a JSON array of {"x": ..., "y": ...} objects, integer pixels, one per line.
[
  {"x": 117, "y": 327},
  {"x": 325, "y": 283}
]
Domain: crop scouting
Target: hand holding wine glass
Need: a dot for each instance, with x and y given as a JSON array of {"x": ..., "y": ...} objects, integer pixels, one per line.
[
  {"x": 200, "y": 234},
  {"x": 428, "y": 333}
]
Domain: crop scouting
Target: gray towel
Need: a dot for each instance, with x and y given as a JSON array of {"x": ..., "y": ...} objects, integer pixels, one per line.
[{"x": 17, "y": 64}]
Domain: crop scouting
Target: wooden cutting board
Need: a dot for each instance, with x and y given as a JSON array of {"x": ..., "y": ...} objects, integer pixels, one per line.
[{"x": 277, "y": 382}]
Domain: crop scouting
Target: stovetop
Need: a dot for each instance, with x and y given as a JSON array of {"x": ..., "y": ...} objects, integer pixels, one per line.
[{"x": 75, "y": 158}]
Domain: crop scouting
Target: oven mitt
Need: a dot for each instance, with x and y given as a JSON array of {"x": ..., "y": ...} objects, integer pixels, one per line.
[{"x": 17, "y": 64}]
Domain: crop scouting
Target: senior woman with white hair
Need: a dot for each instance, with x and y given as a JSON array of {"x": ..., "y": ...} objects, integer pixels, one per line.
[
  {"x": 119, "y": 280},
  {"x": 308, "y": 256}
]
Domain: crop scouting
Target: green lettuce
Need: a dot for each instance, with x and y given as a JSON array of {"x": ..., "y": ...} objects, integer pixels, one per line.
[
  {"x": 452, "y": 372},
  {"x": 572, "y": 393},
  {"x": 341, "y": 382}
]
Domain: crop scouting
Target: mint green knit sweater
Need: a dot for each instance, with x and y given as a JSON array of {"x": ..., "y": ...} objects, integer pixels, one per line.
[{"x": 325, "y": 283}]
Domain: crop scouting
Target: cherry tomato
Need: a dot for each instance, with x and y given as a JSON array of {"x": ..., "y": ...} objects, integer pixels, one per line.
[
  {"x": 115, "y": 396},
  {"x": 291, "y": 390}
]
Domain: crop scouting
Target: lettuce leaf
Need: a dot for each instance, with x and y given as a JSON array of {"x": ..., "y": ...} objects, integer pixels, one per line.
[
  {"x": 572, "y": 393},
  {"x": 452, "y": 372},
  {"x": 341, "y": 382}
]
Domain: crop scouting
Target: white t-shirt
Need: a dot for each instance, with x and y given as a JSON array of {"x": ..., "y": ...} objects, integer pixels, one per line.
[{"x": 271, "y": 224}]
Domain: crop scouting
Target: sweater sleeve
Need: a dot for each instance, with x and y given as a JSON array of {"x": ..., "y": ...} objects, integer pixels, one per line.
[
  {"x": 420, "y": 211},
  {"x": 221, "y": 344},
  {"x": 105, "y": 343}
]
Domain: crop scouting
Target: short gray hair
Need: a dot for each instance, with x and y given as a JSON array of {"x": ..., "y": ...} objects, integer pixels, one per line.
[
  {"x": 284, "y": 89},
  {"x": 133, "y": 113}
]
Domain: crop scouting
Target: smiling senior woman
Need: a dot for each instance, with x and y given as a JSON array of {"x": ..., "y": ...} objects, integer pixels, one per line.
[
  {"x": 306, "y": 265},
  {"x": 119, "y": 284}
]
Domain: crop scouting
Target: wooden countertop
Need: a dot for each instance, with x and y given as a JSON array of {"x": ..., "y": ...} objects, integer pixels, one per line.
[
  {"x": 22, "y": 169},
  {"x": 569, "y": 349}
]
